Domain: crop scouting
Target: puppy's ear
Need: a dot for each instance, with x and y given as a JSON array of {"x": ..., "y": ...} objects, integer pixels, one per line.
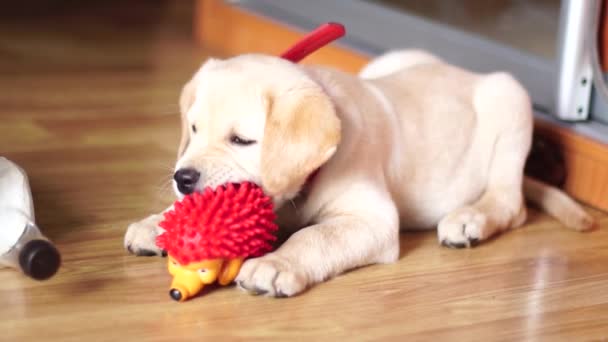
[
  {"x": 302, "y": 132},
  {"x": 186, "y": 100}
]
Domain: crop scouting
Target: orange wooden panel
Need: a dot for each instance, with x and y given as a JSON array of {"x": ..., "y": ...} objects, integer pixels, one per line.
[
  {"x": 228, "y": 30},
  {"x": 586, "y": 163}
]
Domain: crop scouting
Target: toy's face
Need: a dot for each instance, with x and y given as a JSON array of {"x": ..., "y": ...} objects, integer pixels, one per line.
[
  {"x": 206, "y": 271},
  {"x": 189, "y": 279}
]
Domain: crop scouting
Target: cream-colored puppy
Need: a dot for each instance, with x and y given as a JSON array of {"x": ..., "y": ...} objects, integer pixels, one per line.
[{"x": 412, "y": 142}]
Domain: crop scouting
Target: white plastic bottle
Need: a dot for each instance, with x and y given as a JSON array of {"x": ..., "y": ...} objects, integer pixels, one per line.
[{"x": 22, "y": 245}]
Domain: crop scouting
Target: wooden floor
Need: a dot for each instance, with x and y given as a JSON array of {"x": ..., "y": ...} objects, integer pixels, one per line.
[{"x": 88, "y": 108}]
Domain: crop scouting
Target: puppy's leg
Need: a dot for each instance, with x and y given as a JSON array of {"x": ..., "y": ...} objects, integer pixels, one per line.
[
  {"x": 140, "y": 238},
  {"x": 364, "y": 231},
  {"x": 505, "y": 109}
]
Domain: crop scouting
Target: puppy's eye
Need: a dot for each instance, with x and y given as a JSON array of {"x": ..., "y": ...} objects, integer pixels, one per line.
[
  {"x": 236, "y": 140},
  {"x": 193, "y": 128},
  {"x": 202, "y": 271}
]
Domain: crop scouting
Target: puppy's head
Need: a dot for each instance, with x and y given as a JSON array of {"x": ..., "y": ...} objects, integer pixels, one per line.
[{"x": 254, "y": 118}]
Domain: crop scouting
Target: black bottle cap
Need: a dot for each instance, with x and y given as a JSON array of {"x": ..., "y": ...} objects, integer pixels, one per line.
[{"x": 39, "y": 259}]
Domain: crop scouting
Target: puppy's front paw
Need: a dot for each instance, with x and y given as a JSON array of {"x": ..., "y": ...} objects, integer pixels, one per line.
[
  {"x": 140, "y": 238},
  {"x": 465, "y": 227},
  {"x": 272, "y": 276}
]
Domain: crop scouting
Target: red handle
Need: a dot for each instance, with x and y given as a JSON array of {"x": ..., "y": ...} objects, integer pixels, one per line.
[{"x": 313, "y": 41}]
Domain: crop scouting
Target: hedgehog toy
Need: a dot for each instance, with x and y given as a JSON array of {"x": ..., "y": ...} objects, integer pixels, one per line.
[{"x": 208, "y": 236}]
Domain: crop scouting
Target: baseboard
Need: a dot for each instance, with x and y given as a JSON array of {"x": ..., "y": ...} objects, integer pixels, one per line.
[
  {"x": 585, "y": 164},
  {"x": 228, "y": 30}
]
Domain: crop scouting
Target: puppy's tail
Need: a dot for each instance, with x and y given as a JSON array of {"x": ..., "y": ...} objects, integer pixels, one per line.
[{"x": 557, "y": 204}]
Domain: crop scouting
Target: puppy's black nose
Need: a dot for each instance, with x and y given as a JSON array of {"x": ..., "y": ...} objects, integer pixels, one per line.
[{"x": 186, "y": 180}]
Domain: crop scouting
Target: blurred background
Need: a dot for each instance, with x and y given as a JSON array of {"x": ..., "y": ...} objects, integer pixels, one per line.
[
  {"x": 527, "y": 38},
  {"x": 88, "y": 107},
  {"x": 528, "y": 25}
]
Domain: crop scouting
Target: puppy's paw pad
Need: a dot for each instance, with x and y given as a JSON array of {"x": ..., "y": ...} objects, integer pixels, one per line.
[
  {"x": 463, "y": 228},
  {"x": 270, "y": 276}
]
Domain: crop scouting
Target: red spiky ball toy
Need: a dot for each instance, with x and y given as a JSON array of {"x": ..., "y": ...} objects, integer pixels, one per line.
[{"x": 233, "y": 221}]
